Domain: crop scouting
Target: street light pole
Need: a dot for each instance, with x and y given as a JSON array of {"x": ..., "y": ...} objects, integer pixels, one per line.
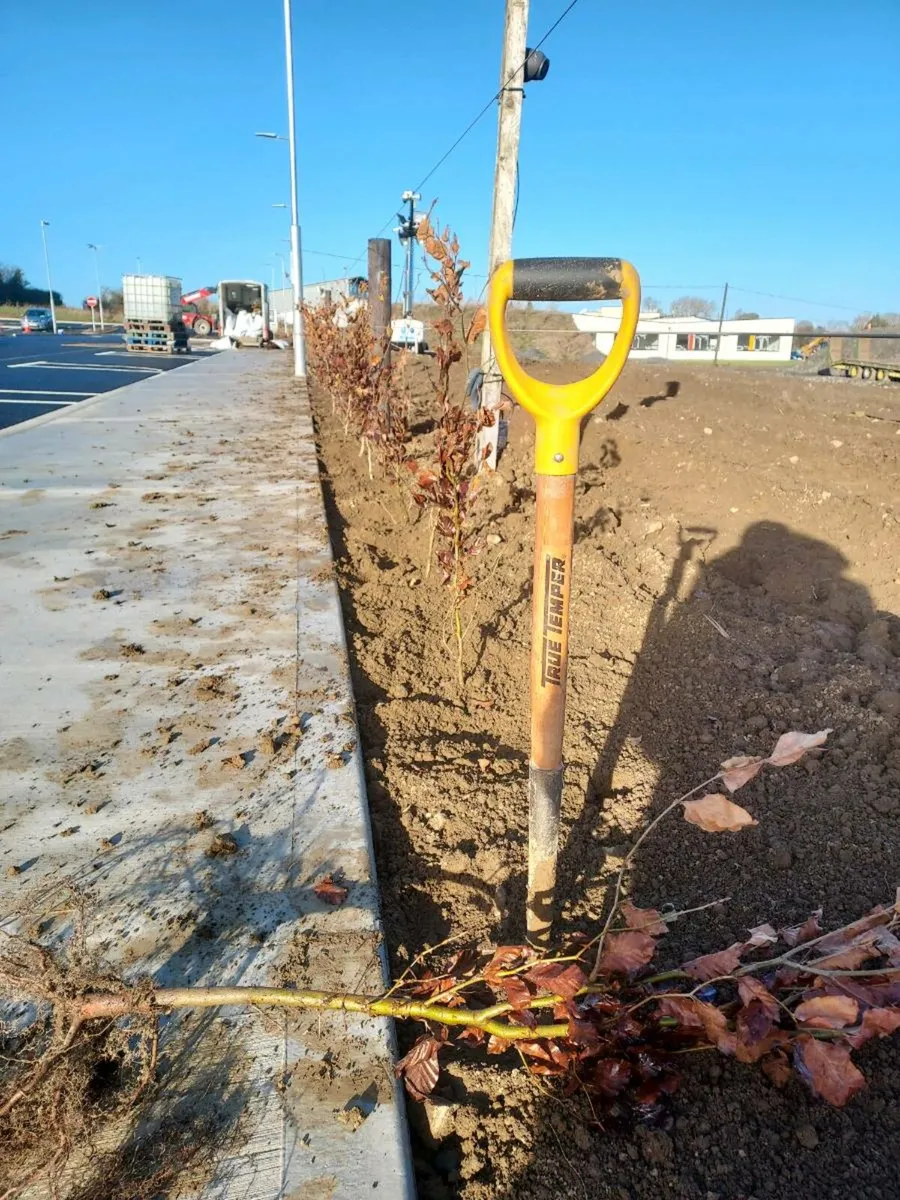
[
  {"x": 296, "y": 269},
  {"x": 44, "y": 225},
  {"x": 96, "y": 250}
]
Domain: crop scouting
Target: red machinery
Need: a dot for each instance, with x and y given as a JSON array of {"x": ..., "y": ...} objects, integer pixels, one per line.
[{"x": 200, "y": 323}]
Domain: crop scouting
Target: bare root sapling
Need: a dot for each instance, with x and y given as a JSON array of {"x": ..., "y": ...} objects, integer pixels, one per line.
[
  {"x": 450, "y": 485},
  {"x": 606, "y": 1016}
]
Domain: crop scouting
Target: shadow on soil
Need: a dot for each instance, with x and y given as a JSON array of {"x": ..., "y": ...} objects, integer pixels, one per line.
[
  {"x": 390, "y": 837},
  {"x": 768, "y": 636}
]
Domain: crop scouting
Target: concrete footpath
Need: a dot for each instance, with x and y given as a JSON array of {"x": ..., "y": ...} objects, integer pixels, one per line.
[{"x": 178, "y": 742}]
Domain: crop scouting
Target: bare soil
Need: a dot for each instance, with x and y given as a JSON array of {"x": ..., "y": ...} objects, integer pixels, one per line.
[{"x": 736, "y": 575}]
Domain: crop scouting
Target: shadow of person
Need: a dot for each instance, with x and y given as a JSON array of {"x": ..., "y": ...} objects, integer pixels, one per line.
[{"x": 769, "y": 635}]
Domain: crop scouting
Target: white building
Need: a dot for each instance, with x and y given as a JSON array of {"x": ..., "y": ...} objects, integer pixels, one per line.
[
  {"x": 693, "y": 339},
  {"x": 350, "y": 290}
]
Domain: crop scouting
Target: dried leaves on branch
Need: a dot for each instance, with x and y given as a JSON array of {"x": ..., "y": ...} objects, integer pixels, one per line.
[
  {"x": 450, "y": 486},
  {"x": 361, "y": 379},
  {"x": 607, "y": 1016},
  {"x": 369, "y": 391}
]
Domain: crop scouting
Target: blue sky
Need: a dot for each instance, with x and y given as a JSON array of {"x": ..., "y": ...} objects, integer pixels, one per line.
[{"x": 702, "y": 141}]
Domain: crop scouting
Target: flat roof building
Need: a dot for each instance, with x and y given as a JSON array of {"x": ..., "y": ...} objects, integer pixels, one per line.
[{"x": 694, "y": 339}]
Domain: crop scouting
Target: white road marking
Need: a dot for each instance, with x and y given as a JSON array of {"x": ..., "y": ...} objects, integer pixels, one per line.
[
  {"x": 134, "y": 354},
  {"x": 54, "y": 403},
  {"x": 58, "y": 366},
  {"x": 43, "y": 392}
]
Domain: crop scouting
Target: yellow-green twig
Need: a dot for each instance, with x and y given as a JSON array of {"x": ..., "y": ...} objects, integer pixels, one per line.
[{"x": 115, "y": 1004}]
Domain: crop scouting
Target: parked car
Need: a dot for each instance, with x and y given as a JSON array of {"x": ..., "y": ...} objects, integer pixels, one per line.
[{"x": 37, "y": 320}]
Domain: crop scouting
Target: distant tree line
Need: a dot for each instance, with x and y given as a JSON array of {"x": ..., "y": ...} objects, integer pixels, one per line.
[
  {"x": 15, "y": 289},
  {"x": 684, "y": 306},
  {"x": 112, "y": 300},
  {"x": 696, "y": 306}
]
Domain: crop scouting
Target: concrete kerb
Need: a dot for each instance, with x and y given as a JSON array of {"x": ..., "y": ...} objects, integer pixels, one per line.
[{"x": 168, "y": 611}]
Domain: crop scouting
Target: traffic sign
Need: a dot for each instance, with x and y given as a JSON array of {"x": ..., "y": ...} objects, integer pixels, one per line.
[{"x": 91, "y": 302}]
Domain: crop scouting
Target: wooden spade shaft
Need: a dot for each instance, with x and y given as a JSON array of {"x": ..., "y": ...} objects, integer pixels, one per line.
[{"x": 554, "y": 515}]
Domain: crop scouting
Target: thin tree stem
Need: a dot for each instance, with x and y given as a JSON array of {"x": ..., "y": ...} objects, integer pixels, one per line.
[
  {"x": 627, "y": 863},
  {"x": 116, "y": 1004}
]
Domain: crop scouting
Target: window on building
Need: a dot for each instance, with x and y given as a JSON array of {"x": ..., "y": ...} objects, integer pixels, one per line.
[
  {"x": 696, "y": 341},
  {"x": 646, "y": 341},
  {"x": 759, "y": 341}
]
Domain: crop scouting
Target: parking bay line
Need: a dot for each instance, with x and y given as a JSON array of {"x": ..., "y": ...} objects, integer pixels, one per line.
[
  {"x": 58, "y": 366},
  {"x": 44, "y": 392},
  {"x": 134, "y": 354},
  {"x": 46, "y": 403}
]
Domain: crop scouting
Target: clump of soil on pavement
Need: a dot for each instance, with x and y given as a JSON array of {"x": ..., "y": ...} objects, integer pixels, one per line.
[{"x": 735, "y": 576}]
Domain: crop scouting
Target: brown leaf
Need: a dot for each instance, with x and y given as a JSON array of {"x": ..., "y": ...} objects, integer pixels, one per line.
[
  {"x": 584, "y": 1034},
  {"x": 426, "y": 985},
  {"x": 551, "y": 1058},
  {"x": 827, "y": 1069},
  {"x": 777, "y": 1067},
  {"x": 864, "y": 946},
  {"x": 330, "y": 892},
  {"x": 888, "y": 944},
  {"x": 504, "y": 958},
  {"x": 740, "y": 770},
  {"x": 419, "y": 1069},
  {"x": 717, "y": 814},
  {"x": 561, "y": 979},
  {"x": 517, "y": 992},
  {"x": 460, "y": 963},
  {"x": 840, "y": 939},
  {"x": 435, "y": 248},
  {"x": 750, "y": 989},
  {"x": 476, "y": 328},
  {"x": 755, "y": 1035},
  {"x": 627, "y": 951},
  {"x": 827, "y": 1012},
  {"x": 472, "y": 1036},
  {"x": 611, "y": 1076},
  {"x": 697, "y": 1014},
  {"x": 795, "y": 935},
  {"x": 791, "y": 747},
  {"x": 761, "y": 935},
  {"x": 876, "y": 1022},
  {"x": 710, "y": 966},
  {"x": 647, "y": 919}
]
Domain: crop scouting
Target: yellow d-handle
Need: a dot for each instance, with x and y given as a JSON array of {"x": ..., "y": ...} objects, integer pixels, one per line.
[{"x": 558, "y": 408}]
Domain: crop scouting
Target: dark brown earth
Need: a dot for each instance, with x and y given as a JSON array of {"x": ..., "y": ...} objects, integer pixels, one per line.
[{"x": 736, "y": 575}]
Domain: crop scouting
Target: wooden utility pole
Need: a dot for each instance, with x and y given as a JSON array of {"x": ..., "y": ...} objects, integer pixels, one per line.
[
  {"x": 380, "y": 290},
  {"x": 721, "y": 323},
  {"x": 509, "y": 123}
]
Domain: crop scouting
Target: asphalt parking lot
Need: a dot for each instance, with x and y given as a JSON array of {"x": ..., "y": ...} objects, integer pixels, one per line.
[{"x": 41, "y": 373}]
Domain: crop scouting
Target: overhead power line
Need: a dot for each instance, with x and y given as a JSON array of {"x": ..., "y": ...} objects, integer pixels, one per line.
[
  {"x": 655, "y": 287},
  {"x": 796, "y": 299},
  {"x": 468, "y": 129}
]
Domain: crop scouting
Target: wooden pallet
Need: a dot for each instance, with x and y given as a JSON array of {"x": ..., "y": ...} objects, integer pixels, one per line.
[
  {"x": 155, "y": 335},
  {"x": 157, "y": 347},
  {"x": 151, "y": 326}
]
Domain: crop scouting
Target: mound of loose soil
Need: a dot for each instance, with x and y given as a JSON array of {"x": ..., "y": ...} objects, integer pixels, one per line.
[{"x": 736, "y": 575}]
